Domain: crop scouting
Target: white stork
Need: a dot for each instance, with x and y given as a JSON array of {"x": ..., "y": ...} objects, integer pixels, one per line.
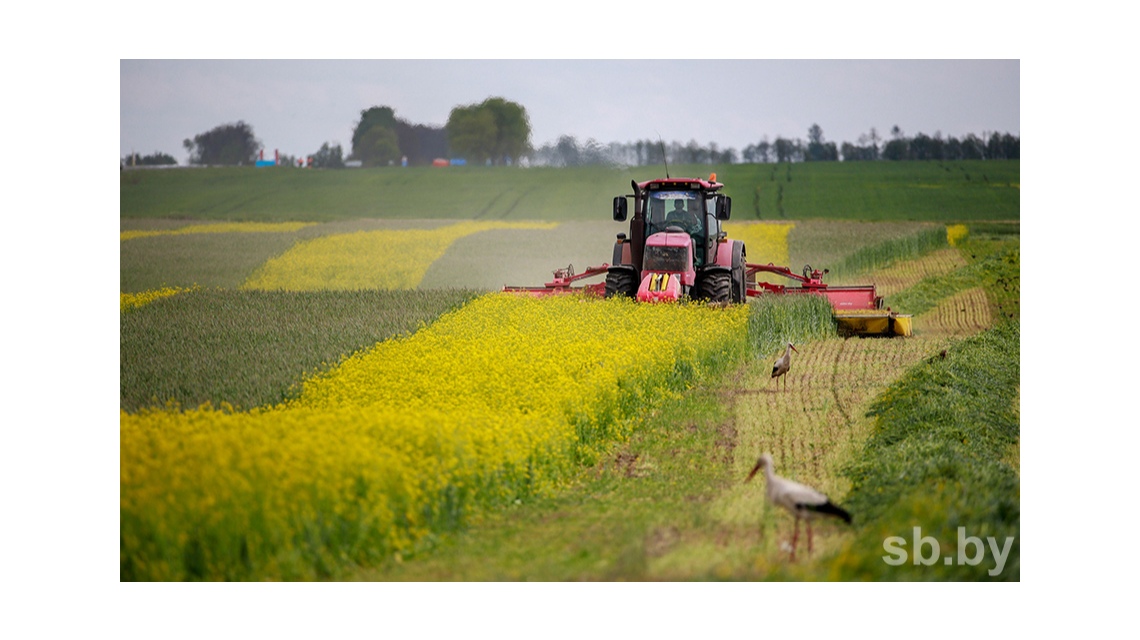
[
  {"x": 783, "y": 363},
  {"x": 803, "y": 502}
]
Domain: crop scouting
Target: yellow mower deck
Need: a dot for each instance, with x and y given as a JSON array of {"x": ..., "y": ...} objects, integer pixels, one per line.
[{"x": 873, "y": 322}]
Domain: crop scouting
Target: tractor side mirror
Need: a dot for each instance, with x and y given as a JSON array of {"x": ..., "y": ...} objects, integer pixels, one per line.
[
  {"x": 620, "y": 206},
  {"x": 723, "y": 207}
]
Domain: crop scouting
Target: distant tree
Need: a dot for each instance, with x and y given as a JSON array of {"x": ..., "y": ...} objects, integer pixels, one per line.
[
  {"x": 1003, "y": 147},
  {"x": 471, "y": 133},
  {"x": 374, "y": 139},
  {"x": 153, "y": 160},
  {"x": 329, "y": 157},
  {"x": 1011, "y": 146},
  {"x": 227, "y": 144},
  {"x": 874, "y": 139},
  {"x": 788, "y": 150},
  {"x": 851, "y": 152},
  {"x": 897, "y": 148},
  {"x": 953, "y": 149},
  {"x": 818, "y": 150},
  {"x": 420, "y": 143},
  {"x": 973, "y": 148},
  {"x": 919, "y": 147},
  {"x": 496, "y": 129},
  {"x": 866, "y": 149},
  {"x": 764, "y": 150},
  {"x": 377, "y": 147}
]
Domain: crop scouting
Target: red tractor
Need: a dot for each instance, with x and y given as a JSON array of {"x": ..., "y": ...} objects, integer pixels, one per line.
[{"x": 676, "y": 248}]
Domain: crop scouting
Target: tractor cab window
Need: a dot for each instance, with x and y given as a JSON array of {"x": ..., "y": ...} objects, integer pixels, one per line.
[{"x": 682, "y": 209}]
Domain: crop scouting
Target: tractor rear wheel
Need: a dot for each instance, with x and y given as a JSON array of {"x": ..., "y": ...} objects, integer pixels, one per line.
[
  {"x": 620, "y": 283},
  {"x": 739, "y": 291}
]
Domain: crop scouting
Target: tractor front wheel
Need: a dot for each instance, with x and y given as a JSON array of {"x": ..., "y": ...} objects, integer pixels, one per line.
[
  {"x": 621, "y": 283},
  {"x": 716, "y": 286}
]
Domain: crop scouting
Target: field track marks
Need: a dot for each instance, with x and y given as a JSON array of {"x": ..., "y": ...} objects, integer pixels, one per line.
[
  {"x": 904, "y": 275},
  {"x": 515, "y": 204},
  {"x": 813, "y": 429},
  {"x": 962, "y": 314},
  {"x": 490, "y": 204}
]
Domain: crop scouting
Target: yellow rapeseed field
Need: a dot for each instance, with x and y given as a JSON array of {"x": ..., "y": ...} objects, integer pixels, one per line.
[
  {"x": 765, "y": 241},
  {"x": 134, "y": 300},
  {"x": 219, "y": 227},
  {"x": 490, "y": 404},
  {"x": 386, "y": 259}
]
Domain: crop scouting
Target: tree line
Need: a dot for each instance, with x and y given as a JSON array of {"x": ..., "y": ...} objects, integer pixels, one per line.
[
  {"x": 497, "y": 132},
  {"x": 569, "y": 152}
]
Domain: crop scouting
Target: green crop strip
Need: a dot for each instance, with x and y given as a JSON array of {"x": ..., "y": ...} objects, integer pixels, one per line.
[
  {"x": 938, "y": 462},
  {"x": 993, "y": 265}
]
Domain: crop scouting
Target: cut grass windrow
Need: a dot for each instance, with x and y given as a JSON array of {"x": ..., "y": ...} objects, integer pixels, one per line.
[{"x": 995, "y": 266}]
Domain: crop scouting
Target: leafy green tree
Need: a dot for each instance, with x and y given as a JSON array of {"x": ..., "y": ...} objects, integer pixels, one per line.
[
  {"x": 374, "y": 140},
  {"x": 788, "y": 150},
  {"x": 227, "y": 144},
  {"x": 329, "y": 157},
  {"x": 377, "y": 147},
  {"x": 471, "y": 133},
  {"x": 817, "y": 149},
  {"x": 496, "y": 129}
]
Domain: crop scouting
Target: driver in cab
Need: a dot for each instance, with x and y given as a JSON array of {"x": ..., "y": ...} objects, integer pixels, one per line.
[{"x": 680, "y": 217}]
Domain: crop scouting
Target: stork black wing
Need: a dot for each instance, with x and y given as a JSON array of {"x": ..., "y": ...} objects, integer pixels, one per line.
[{"x": 829, "y": 509}]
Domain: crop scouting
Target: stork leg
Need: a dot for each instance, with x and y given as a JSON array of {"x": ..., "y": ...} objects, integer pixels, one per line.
[
  {"x": 809, "y": 536},
  {"x": 795, "y": 537}
]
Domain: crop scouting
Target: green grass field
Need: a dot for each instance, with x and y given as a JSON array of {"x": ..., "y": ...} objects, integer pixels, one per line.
[{"x": 934, "y": 191}]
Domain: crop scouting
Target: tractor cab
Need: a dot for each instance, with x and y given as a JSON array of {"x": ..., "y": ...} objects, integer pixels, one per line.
[{"x": 672, "y": 210}]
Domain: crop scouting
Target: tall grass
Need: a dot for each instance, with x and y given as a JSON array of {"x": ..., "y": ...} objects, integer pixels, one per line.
[
  {"x": 888, "y": 252},
  {"x": 775, "y": 320}
]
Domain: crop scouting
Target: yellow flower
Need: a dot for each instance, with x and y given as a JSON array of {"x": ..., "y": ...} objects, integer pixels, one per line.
[
  {"x": 956, "y": 233},
  {"x": 219, "y": 227},
  {"x": 386, "y": 259},
  {"x": 134, "y": 300}
]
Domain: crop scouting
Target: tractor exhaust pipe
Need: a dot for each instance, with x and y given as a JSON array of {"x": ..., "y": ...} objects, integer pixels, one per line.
[{"x": 637, "y": 228}]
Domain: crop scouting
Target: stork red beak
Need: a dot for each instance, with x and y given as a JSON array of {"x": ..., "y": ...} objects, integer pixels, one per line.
[
  {"x": 794, "y": 348},
  {"x": 754, "y": 470}
]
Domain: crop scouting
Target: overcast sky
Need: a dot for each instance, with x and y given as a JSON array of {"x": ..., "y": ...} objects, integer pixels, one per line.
[{"x": 296, "y": 105}]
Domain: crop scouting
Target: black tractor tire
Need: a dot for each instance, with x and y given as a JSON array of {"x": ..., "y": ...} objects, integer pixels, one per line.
[
  {"x": 716, "y": 286},
  {"x": 621, "y": 283},
  {"x": 739, "y": 292}
]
